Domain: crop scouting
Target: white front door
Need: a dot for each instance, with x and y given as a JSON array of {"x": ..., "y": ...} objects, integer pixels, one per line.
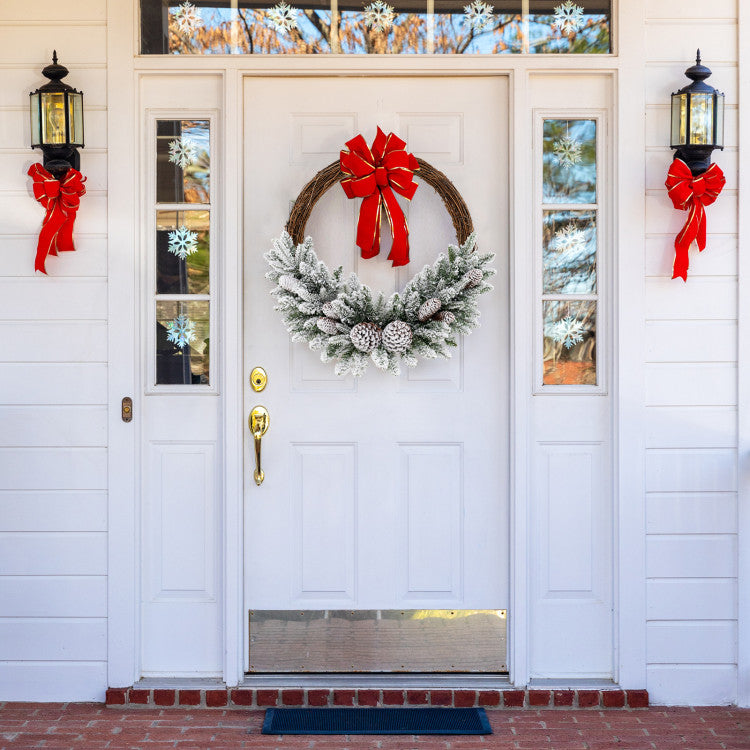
[{"x": 382, "y": 492}]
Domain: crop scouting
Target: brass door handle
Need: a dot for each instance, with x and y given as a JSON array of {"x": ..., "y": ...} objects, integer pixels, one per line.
[{"x": 258, "y": 422}]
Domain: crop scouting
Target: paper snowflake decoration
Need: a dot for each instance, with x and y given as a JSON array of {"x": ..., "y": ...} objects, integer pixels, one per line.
[
  {"x": 478, "y": 14},
  {"x": 567, "y": 331},
  {"x": 569, "y": 239},
  {"x": 379, "y": 15},
  {"x": 568, "y": 17},
  {"x": 181, "y": 331},
  {"x": 187, "y": 18},
  {"x": 182, "y": 242},
  {"x": 567, "y": 150},
  {"x": 183, "y": 151},
  {"x": 283, "y": 17}
]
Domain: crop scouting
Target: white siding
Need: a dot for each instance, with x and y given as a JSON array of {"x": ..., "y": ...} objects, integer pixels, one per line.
[
  {"x": 691, "y": 383},
  {"x": 53, "y": 378}
]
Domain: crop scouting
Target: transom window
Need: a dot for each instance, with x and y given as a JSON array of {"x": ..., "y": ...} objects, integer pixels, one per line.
[{"x": 453, "y": 27}]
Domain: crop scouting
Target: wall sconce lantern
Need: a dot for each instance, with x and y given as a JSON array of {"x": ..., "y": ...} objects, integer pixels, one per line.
[
  {"x": 697, "y": 119},
  {"x": 57, "y": 121},
  {"x": 57, "y": 129}
]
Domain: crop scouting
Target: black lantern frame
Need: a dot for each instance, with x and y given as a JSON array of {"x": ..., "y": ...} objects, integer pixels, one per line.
[
  {"x": 57, "y": 121},
  {"x": 697, "y": 120}
]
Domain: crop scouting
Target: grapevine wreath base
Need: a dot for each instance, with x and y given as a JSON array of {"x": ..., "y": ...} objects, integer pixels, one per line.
[{"x": 346, "y": 321}]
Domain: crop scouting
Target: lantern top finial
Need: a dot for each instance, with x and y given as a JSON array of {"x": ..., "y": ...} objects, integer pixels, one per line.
[
  {"x": 54, "y": 71},
  {"x": 698, "y": 72}
]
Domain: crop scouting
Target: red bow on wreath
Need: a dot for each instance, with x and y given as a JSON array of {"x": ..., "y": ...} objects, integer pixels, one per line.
[
  {"x": 692, "y": 194},
  {"x": 374, "y": 174},
  {"x": 61, "y": 199}
]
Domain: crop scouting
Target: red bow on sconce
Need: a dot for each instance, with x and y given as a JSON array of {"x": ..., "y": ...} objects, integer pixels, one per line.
[
  {"x": 61, "y": 199},
  {"x": 692, "y": 194},
  {"x": 374, "y": 174}
]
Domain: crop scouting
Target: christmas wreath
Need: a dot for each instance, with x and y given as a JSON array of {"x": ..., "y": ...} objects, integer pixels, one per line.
[{"x": 343, "y": 318}]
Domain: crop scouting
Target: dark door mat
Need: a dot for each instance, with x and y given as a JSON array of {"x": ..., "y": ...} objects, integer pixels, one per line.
[{"x": 376, "y": 721}]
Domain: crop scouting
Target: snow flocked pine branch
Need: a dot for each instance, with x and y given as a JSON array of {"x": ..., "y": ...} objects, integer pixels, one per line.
[{"x": 345, "y": 320}]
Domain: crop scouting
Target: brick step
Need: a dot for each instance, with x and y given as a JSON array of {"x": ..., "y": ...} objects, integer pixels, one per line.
[{"x": 459, "y": 698}]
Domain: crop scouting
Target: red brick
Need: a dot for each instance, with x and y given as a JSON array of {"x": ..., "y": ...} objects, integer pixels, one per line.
[
  {"x": 588, "y": 699},
  {"x": 164, "y": 697},
  {"x": 564, "y": 697},
  {"x": 242, "y": 697},
  {"x": 343, "y": 697},
  {"x": 116, "y": 696},
  {"x": 613, "y": 698},
  {"x": 513, "y": 698},
  {"x": 539, "y": 697},
  {"x": 416, "y": 697},
  {"x": 393, "y": 697},
  {"x": 139, "y": 697},
  {"x": 317, "y": 697},
  {"x": 368, "y": 697},
  {"x": 441, "y": 697},
  {"x": 216, "y": 698},
  {"x": 266, "y": 697},
  {"x": 637, "y": 698},
  {"x": 464, "y": 698},
  {"x": 488, "y": 698},
  {"x": 190, "y": 697},
  {"x": 292, "y": 697}
]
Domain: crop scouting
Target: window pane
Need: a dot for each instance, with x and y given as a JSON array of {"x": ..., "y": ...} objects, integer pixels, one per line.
[
  {"x": 569, "y": 161},
  {"x": 574, "y": 26},
  {"x": 373, "y": 27},
  {"x": 182, "y": 252},
  {"x": 182, "y": 345},
  {"x": 183, "y": 161},
  {"x": 569, "y": 252},
  {"x": 569, "y": 343}
]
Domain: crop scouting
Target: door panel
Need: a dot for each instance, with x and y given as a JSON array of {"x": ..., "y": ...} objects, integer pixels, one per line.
[{"x": 381, "y": 492}]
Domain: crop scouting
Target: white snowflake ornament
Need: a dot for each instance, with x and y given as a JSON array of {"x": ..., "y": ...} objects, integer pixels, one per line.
[
  {"x": 183, "y": 151},
  {"x": 567, "y": 332},
  {"x": 283, "y": 17},
  {"x": 379, "y": 16},
  {"x": 181, "y": 331},
  {"x": 478, "y": 14},
  {"x": 569, "y": 239},
  {"x": 568, "y": 17},
  {"x": 187, "y": 18},
  {"x": 182, "y": 242},
  {"x": 567, "y": 150}
]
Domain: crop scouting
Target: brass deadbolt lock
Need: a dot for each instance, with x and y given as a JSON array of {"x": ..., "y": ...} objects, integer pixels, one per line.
[{"x": 258, "y": 379}]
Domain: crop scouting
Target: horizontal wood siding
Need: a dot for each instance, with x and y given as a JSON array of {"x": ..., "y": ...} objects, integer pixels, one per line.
[
  {"x": 53, "y": 377},
  {"x": 690, "y": 379}
]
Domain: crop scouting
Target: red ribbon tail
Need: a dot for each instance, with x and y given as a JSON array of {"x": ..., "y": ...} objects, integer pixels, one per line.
[
  {"x": 681, "y": 259},
  {"x": 47, "y": 244},
  {"x": 399, "y": 254},
  {"x": 368, "y": 226},
  {"x": 65, "y": 235}
]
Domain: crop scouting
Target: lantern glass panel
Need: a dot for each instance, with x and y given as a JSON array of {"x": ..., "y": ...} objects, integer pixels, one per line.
[
  {"x": 75, "y": 118},
  {"x": 53, "y": 119},
  {"x": 36, "y": 130},
  {"x": 679, "y": 120},
  {"x": 719, "y": 135},
  {"x": 701, "y": 119}
]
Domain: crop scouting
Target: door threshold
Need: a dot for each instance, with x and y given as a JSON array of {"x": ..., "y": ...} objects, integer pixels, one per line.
[{"x": 370, "y": 680}]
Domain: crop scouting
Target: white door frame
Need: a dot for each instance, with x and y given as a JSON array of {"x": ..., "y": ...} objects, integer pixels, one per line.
[{"x": 125, "y": 277}]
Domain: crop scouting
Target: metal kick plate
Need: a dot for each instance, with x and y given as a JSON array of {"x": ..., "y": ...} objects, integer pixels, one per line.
[{"x": 411, "y": 640}]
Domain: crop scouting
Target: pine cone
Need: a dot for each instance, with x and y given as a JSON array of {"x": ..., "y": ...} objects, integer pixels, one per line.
[
  {"x": 397, "y": 336},
  {"x": 446, "y": 316},
  {"x": 366, "y": 336},
  {"x": 428, "y": 309},
  {"x": 327, "y": 326},
  {"x": 329, "y": 310},
  {"x": 473, "y": 278}
]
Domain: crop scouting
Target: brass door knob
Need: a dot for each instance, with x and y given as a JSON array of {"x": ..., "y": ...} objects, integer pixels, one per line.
[{"x": 258, "y": 422}]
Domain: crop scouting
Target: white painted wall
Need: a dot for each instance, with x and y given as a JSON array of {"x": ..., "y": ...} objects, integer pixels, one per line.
[
  {"x": 53, "y": 377},
  {"x": 691, "y": 382}
]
